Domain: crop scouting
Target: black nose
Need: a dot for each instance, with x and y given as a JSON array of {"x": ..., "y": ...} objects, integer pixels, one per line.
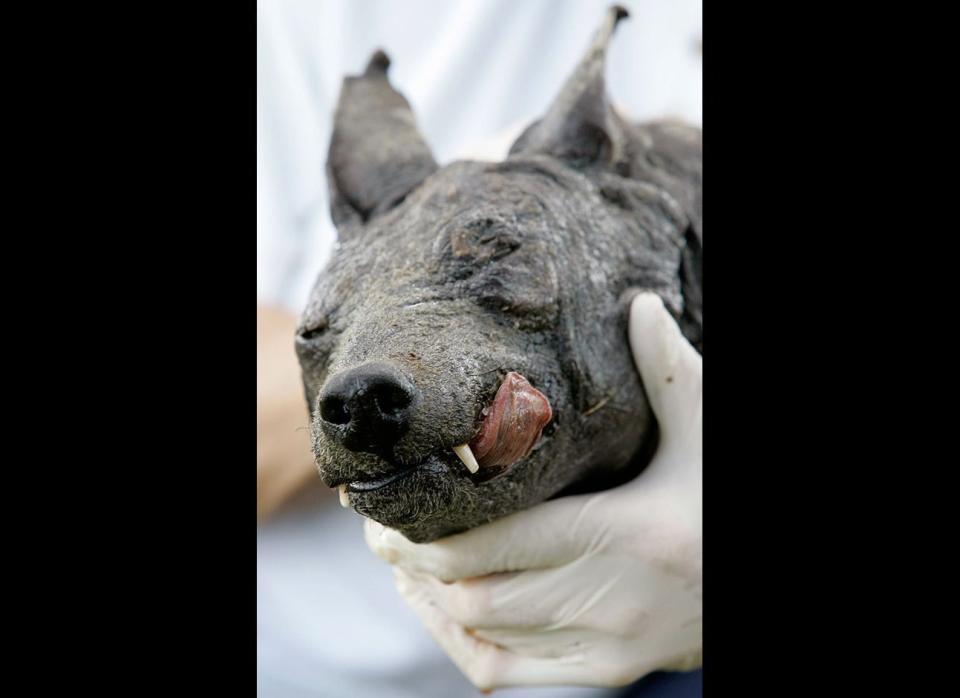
[{"x": 367, "y": 408}]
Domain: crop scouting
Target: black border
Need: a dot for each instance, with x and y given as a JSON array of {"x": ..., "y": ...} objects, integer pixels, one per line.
[{"x": 141, "y": 134}]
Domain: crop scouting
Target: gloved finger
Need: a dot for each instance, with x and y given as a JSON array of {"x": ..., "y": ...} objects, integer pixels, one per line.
[
  {"x": 549, "y": 534},
  {"x": 540, "y": 600},
  {"x": 494, "y": 601},
  {"x": 559, "y": 644},
  {"x": 612, "y": 660},
  {"x": 488, "y": 666},
  {"x": 481, "y": 662},
  {"x": 671, "y": 369}
]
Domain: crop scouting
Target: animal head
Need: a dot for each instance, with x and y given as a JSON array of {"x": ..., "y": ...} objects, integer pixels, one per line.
[{"x": 464, "y": 352}]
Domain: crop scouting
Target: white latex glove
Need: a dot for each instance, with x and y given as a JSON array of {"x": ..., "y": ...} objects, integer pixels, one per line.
[{"x": 596, "y": 589}]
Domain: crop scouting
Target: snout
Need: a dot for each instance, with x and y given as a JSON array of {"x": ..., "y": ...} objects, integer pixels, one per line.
[{"x": 367, "y": 408}]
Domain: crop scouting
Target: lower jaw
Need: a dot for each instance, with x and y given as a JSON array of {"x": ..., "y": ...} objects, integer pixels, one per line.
[
  {"x": 434, "y": 465},
  {"x": 435, "y": 499},
  {"x": 402, "y": 499},
  {"x": 420, "y": 507},
  {"x": 374, "y": 485}
]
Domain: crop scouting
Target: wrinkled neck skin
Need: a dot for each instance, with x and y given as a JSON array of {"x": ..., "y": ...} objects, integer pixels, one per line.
[{"x": 522, "y": 266}]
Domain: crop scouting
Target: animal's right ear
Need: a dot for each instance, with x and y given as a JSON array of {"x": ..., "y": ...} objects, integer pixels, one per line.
[
  {"x": 581, "y": 126},
  {"x": 377, "y": 156}
]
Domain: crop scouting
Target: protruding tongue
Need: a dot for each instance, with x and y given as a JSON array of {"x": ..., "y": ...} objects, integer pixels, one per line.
[{"x": 512, "y": 424}]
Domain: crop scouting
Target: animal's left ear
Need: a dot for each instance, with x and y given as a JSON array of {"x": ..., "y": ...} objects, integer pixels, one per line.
[
  {"x": 377, "y": 156},
  {"x": 581, "y": 126}
]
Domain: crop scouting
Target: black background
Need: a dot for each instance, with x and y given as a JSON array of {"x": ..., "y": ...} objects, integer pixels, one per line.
[{"x": 131, "y": 256}]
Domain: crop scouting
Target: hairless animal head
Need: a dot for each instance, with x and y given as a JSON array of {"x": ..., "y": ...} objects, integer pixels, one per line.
[{"x": 464, "y": 352}]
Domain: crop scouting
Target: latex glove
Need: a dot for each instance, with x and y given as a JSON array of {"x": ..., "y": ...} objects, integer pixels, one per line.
[{"x": 593, "y": 589}]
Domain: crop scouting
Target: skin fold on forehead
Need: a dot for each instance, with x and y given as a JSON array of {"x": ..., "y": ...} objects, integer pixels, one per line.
[{"x": 455, "y": 277}]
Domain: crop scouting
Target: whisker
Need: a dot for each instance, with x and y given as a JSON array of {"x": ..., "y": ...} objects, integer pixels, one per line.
[{"x": 498, "y": 368}]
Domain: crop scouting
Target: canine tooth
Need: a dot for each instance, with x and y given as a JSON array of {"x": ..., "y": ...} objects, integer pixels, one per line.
[
  {"x": 466, "y": 455},
  {"x": 344, "y": 497}
]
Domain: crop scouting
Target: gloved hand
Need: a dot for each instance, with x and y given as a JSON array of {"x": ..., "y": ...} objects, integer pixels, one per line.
[{"x": 596, "y": 589}]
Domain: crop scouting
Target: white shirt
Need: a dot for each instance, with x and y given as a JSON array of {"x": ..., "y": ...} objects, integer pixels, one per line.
[{"x": 329, "y": 622}]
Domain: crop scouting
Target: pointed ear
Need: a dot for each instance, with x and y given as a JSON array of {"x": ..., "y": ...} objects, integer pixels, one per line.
[
  {"x": 377, "y": 155},
  {"x": 581, "y": 126}
]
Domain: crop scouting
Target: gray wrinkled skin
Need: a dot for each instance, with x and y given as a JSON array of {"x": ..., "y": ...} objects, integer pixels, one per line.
[{"x": 457, "y": 275}]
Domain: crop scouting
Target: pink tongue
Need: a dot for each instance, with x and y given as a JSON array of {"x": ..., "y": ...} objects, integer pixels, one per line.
[{"x": 512, "y": 423}]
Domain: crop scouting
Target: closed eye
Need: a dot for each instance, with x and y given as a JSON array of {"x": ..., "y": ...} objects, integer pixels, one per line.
[
  {"x": 469, "y": 248},
  {"x": 313, "y": 329}
]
